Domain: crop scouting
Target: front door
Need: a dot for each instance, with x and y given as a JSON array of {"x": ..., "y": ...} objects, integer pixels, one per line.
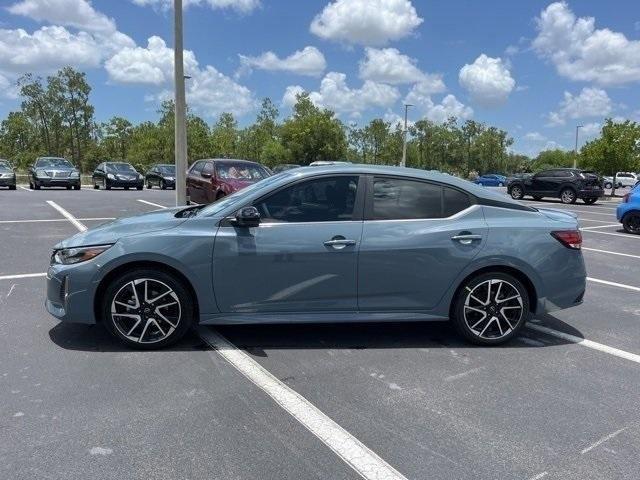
[
  {"x": 417, "y": 238},
  {"x": 303, "y": 255}
]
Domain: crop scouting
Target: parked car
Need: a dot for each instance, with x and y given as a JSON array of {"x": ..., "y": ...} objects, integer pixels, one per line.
[
  {"x": 626, "y": 179},
  {"x": 284, "y": 166},
  {"x": 110, "y": 175},
  {"x": 211, "y": 179},
  {"x": 7, "y": 175},
  {"x": 491, "y": 180},
  {"x": 567, "y": 184},
  {"x": 162, "y": 176},
  {"x": 324, "y": 244},
  {"x": 53, "y": 172},
  {"x": 628, "y": 211}
]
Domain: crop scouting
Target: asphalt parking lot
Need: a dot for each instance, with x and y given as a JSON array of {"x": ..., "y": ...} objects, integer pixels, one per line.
[{"x": 299, "y": 402}]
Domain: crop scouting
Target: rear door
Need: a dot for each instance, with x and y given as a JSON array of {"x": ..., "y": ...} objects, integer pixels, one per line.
[{"x": 417, "y": 238}]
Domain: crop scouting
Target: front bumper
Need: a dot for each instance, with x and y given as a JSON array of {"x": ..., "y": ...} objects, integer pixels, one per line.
[
  {"x": 70, "y": 292},
  {"x": 125, "y": 183},
  {"x": 7, "y": 182},
  {"x": 57, "y": 182}
]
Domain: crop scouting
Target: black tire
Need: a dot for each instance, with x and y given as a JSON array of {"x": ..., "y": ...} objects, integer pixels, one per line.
[
  {"x": 631, "y": 223},
  {"x": 497, "y": 329},
  {"x": 30, "y": 186},
  {"x": 76, "y": 187},
  {"x": 163, "y": 185},
  {"x": 122, "y": 286},
  {"x": 36, "y": 186},
  {"x": 12, "y": 187},
  {"x": 96, "y": 186},
  {"x": 149, "y": 186},
  {"x": 517, "y": 192},
  {"x": 568, "y": 196},
  {"x": 107, "y": 186},
  {"x": 139, "y": 187},
  {"x": 537, "y": 198},
  {"x": 126, "y": 188},
  {"x": 590, "y": 201}
]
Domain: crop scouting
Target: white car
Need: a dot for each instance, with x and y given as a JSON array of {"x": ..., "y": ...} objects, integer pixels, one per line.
[{"x": 622, "y": 180}]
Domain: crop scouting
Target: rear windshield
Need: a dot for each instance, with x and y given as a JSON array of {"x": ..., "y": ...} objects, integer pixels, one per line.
[
  {"x": 53, "y": 163},
  {"x": 240, "y": 171}
]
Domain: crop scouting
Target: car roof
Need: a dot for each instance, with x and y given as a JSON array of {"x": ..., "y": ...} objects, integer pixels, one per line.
[{"x": 229, "y": 160}]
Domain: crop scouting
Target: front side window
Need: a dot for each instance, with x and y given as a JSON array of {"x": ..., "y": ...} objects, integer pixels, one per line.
[
  {"x": 207, "y": 169},
  {"x": 196, "y": 168},
  {"x": 330, "y": 199}
]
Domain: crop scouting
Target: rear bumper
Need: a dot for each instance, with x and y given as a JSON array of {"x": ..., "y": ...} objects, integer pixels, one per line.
[{"x": 591, "y": 193}]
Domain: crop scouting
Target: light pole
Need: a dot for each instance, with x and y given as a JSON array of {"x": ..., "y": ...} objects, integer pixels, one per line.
[
  {"x": 404, "y": 142},
  {"x": 180, "y": 108},
  {"x": 575, "y": 151}
]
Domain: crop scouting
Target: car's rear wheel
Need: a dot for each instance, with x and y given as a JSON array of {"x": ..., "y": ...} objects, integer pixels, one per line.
[
  {"x": 147, "y": 309},
  {"x": 568, "y": 195},
  {"x": 631, "y": 223},
  {"x": 590, "y": 201},
  {"x": 490, "y": 308},
  {"x": 516, "y": 192}
]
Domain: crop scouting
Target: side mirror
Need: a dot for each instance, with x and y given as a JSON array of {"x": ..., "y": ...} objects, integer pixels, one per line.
[
  {"x": 205, "y": 175},
  {"x": 247, "y": 217}
]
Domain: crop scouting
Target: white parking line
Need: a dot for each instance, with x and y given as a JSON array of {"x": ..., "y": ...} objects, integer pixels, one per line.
[
  {"x": 591, "y": 220},
  {"x": 23, "y": 275},
  {"x": 25, "y": 188},
  {"x": 610, "y": 252},
  {"x": 79, "y": 225},
  {"x": 625, "y": 235},
  {"x": 600, "y": 226},
  {"x": 357, "y": 455},
  {"x": 586, "y": 343},
  {"x": 152, "y": 204},
  {"x": 56, "y": 220},
  {"x": 614, "y": 284}
]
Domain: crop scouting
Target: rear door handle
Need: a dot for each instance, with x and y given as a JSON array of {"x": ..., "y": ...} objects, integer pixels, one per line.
[{"x": 466, "y": 238}]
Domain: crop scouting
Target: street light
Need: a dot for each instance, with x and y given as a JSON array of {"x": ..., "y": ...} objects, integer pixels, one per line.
[
  {"x": 404, "y": 142},
  {"x": 180, "y": 108},
  {"x": 575, "y": 151}
]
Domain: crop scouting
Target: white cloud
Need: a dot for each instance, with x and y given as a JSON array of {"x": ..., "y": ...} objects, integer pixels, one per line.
[
  {"x": 366, "y": 22},
  {"x": 308, "y": 61},
  {"x": 590, "y": 102},
  {"x": 335, "y": 94},
  {"x": 208, "y": 91},
  {"x": 396, "y": 120},
  {"x": 388, "y": 65},
  {"x": 71, "y": 13},
  {"x": 448, "y": 107},
  {"x": 291, "y": 93},
  {"x": 241, "y": 6},
  {"x": 590, "y": 130},
  {"x": 581, "y": 52},
  {"x": 488, "y": 81},
  {"x": 535, "y": 137}
]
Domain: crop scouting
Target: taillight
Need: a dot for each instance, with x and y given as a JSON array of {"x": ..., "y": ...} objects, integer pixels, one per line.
[
  {"x": 569, "y": 238},
  {"x": 625, "y": 198}
]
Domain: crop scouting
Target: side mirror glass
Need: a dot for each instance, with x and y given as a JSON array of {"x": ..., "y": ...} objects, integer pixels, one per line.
[
  {"x": 248, "y": 217},
  {"x": 205, "y": 175}
]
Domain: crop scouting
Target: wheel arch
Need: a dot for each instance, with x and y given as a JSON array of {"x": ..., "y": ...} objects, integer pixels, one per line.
[{"x": 125, "y": 267}]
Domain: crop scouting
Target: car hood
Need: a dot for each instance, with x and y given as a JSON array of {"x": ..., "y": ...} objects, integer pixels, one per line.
[
  {"x": 559, "y": 215},
  {"x": 111, "y": 232}
]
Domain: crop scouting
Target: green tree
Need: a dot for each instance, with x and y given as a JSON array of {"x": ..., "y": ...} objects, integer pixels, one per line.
[
  {"x": 224, "y": 136},
  {"x": 617, "y": 149},
  {"x": 116, "y": 137},
  {"x": 552, "y": 159}
]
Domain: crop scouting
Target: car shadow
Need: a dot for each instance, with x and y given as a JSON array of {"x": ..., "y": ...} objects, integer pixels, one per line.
[{"x": 258, "y": 339}]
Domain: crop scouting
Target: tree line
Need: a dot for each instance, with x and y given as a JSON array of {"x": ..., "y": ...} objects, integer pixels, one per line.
[{"x": 56, "y": 118}]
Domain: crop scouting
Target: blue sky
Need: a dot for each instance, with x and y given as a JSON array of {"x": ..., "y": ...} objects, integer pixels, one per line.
[{"x": 533, "y": 68}]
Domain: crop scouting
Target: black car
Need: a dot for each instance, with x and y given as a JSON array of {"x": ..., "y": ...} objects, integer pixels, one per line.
[
  {"x": 7, "y": 175},
  {"x": 53, "y": 172},
  {"x": 162, "y": 176},
  {"x": 116, "y": 175},
  {"x": 567, "y": 184}
]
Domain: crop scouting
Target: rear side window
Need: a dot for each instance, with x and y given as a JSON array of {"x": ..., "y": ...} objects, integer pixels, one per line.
[{"x": 400, "y": 199}]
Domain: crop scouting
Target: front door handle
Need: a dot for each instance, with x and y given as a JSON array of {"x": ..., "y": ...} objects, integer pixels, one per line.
[
  {"x": 339, "y": 242},
  {"x": 466, "y": 238}
]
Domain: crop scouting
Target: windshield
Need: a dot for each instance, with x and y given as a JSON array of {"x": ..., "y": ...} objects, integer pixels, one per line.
[
  {"x": 53, "y": 163},
  {"x": 168, "y": 169},
  {"x": 240, "y": 171},
  {"x": 4, "y": 165},
  {"x": 120, "y": 168}
]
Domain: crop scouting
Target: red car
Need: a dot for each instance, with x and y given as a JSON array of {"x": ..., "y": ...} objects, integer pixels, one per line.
[{"x": 211, "y": 179}]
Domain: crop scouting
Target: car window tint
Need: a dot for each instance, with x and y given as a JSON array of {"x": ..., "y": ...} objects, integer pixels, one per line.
[
  {"x": 395, "y": 199},
  {"x": 454, "y": 201},
  {"x": 545, "y": 173},
  {"x": 208, "y": 168},
  {"x": 328, "y": 199},
  {"x": 197, "y": 167}
]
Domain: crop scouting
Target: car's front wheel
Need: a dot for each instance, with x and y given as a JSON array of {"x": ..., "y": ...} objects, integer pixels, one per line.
[
  {"x": 517, "y": 193},
  {"x": 490, "y": 308},
  {"x": 631, "y": 223},
  {"x": 147, "y": 309}
]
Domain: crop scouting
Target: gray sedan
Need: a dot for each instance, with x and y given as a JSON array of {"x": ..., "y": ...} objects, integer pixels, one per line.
[{"x": 324, "y": 244}]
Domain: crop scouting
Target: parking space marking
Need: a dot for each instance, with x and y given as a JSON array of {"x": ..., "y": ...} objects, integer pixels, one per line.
[
  {"x": 152, "y": 204},
  {"x": 358, "y": 456},
  {"x": 614, "y": 284},
  {"x": 586, "y": 343},
  {"x": 25, "y": 188},
  {"x": 600, "y": 226},
  {"x": 635, "y": 237},
  {"x": 56, "y": 220},
  {"x": 23, "y": 275},
  {"x": 610, "y": 252},
  {"x": 591, "y": 220},
  {"x": 76, "y": 223},
  {"x": 602, "y": 440}
]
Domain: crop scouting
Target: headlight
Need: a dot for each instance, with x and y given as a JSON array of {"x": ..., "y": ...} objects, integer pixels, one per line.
[
  {"x": 171, "y": 179},
  {"x": 111, "y": 176},
  {"x": 41, "y": 173},
  {"x": 68, "y": 256},
  {"x": 75, "y": 174},
  {"x": 140, "y": 177}
]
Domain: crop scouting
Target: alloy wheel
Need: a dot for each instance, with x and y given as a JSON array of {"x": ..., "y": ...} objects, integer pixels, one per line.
[
  {"x": 568, "y": 196},
  {"x": 516, "y": 193},
  {"x": 146, "y": 311},
  {"x": 631, "y": 223},
  {"x": 492, "y": 309}
]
